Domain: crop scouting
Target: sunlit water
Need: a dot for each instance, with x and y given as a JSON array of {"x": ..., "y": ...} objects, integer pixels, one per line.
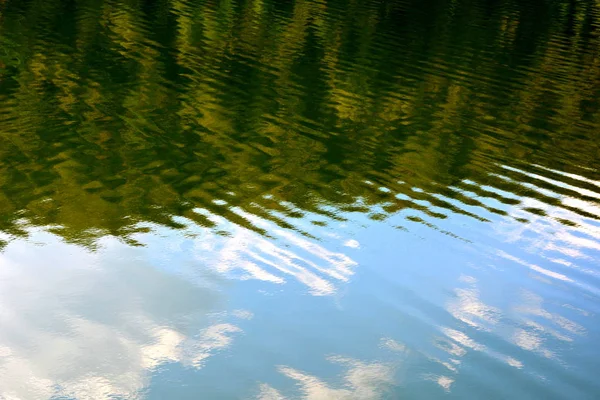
[{"x": 306, "y": 199}]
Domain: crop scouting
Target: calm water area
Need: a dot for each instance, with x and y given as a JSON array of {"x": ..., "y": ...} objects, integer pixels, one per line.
[{"x": 299, "y": 199}]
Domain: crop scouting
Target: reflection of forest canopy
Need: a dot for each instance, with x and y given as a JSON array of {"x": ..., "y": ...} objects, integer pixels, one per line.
[{"x": 113, "y": 113}]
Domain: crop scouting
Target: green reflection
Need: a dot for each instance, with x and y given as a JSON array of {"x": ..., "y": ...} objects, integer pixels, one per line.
[{"x": 113, "y": 113}]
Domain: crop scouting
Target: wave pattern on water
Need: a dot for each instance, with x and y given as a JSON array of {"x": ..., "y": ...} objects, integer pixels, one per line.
[{"x": 429, "y": 165}]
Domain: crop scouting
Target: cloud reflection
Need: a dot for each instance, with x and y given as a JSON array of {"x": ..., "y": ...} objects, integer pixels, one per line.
[
  {"x": 537, "y": 326},
  {"x": 95, "y": 325},
  {"x": 245, "y": 254},
  {"x": 361, "y": 381},
  {"x": 468, "y": 308}
]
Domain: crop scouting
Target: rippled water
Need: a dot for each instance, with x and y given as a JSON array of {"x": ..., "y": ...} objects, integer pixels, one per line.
[{"x": 308, "y": 199}]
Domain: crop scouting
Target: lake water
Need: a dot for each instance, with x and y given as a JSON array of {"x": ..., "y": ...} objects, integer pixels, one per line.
[{"x": 307, "y": 199}]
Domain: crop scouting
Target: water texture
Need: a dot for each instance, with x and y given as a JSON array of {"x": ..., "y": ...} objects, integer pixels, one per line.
[{"x": 307, "y": 199}]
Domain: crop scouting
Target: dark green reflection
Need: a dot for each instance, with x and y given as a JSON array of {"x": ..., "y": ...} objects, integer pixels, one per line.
[{"x": 112, "y": 113}]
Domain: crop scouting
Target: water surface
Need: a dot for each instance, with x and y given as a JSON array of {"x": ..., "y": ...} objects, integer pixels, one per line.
[{"x": 309, "y": 199}]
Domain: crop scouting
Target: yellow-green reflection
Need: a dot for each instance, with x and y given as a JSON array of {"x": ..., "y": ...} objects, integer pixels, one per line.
[{"x": 113, "y": 113}]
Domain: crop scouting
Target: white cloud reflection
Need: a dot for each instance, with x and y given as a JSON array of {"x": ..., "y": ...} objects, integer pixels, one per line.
[
  {"x": 361, "y": 381},
  {"x": 95, "y": 325},
  {"x": 537, "y": 325},
  {"x": 246, "y": 254},
  {"x": 561, "y": 246}
]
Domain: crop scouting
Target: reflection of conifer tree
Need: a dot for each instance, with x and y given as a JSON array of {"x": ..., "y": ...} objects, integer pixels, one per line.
[{"x": 114, "y": 113}]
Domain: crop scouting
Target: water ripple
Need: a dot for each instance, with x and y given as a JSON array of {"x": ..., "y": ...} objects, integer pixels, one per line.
[{"x": 376, "y": 199}]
